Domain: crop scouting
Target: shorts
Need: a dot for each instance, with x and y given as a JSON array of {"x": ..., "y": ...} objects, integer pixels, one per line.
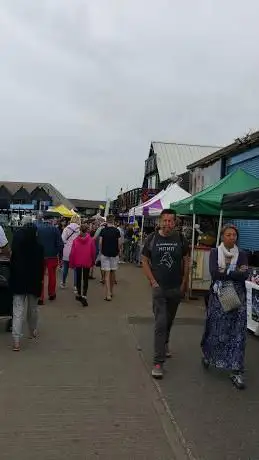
[{"x": 109, "y": 263}]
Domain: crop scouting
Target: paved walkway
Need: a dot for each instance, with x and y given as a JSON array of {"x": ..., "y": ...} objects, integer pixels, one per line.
[
  {"x": 82, "y": 391},
  {"x": 216, "y": 421}
]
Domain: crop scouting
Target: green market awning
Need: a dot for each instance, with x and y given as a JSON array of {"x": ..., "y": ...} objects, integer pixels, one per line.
[{"x": 208, "y": 201}]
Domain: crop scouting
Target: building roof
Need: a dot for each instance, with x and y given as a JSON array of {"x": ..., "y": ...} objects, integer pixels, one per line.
[
  {"x": 174, "y": 158},
  {"x": 87, "y": 204},
  {"x": 238, "y": 146},
  {"x": 56, "y": 196}
]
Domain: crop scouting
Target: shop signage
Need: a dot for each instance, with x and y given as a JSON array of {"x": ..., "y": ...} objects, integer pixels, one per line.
[{"x": 25, "y": 207}]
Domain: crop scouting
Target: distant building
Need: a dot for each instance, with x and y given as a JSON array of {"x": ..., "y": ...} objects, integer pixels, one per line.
[
  {"x": 30, "y": 196},
  {"x": 87, "y": 207},
  {"x": 168, "y": 162},
  {"x": 129, "y": 199}
]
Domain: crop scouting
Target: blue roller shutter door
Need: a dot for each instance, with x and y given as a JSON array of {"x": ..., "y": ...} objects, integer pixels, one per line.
[{"x": 249, "y": 229}]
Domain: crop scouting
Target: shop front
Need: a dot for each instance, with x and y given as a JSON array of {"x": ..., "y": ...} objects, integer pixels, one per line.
[
  {"x": 209, "y": 203},
  {"x": 249, "y": 229},
  {"x": 246, "y": 206}
]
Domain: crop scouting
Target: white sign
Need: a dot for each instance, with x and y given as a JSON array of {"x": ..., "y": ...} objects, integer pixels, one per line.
[{"x": 252, "y": 302}]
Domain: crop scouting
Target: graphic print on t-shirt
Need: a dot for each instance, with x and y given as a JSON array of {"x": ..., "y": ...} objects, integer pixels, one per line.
[
  {"x": 166, "y": 252},
  {"x": 166, "y": 256}
]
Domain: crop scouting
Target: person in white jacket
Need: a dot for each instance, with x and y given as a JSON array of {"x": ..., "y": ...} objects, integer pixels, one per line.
[{"x": 70, "y": 233}]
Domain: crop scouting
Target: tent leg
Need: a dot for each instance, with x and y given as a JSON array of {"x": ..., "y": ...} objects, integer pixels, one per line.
[
  {"x": 192, "y": 254},
  {"x": 141, "y": 240},
  {"x": 142, "y": 228},
  {"x": 219, "y": 227}
]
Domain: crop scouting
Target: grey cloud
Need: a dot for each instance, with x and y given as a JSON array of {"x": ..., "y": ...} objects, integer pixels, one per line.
[{"x": 85, "y": 86}]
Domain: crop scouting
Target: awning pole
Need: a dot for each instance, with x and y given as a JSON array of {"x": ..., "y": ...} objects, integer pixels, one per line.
[
  {"x": 192, "y": 253},
  {"x": 142, "y": 228},
  {"x": 219, "y": 227}
]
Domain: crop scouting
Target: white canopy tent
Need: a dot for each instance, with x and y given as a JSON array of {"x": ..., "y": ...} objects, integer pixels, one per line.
[
  {"x": 138, "y": 210},
  {"x": 162, "y": 200}
]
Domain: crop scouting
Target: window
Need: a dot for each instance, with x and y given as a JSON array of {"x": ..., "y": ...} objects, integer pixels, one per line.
[
  {"x": 150, "y": 164},
  {"x": 152, "y": 181}
]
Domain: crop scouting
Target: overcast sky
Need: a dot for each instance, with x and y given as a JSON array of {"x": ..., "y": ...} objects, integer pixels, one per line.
[{"x": 87, "y": 84}]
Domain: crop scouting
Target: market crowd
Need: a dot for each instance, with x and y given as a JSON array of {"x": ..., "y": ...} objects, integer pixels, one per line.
[
  {"x": 79, "y": 246},
  {"x": 40, "y": 248}
]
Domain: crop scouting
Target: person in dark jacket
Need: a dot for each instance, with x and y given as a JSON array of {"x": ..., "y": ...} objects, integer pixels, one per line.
[
  {"x": 50, "y": 238},
  {"x": 26, "y": 275}
]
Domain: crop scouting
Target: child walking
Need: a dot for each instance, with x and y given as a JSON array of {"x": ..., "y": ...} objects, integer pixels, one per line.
[{"x": 82, "y": 259}]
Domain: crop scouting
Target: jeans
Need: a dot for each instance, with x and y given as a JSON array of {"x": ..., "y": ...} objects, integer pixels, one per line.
[
  {"x": 165, "y": 305},
  {"x": 51, "y": 265},
  {"x": 18, "y": 314},
  {"x": 65, "y": 272},
  {"x": 82, "y": 273},
  {"x": 127, "y": 248}
]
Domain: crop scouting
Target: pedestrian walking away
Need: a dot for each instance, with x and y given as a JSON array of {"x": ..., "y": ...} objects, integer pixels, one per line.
[
  {"x": 98, "y": 254},
  {"x": 6, "y": 300},
  {"x": 50, "y": 238},
  {"x": 110, "y": 244},
  {"x": 165, "y": 261},
  {"x": 69, "y": 234},
  {"x": 224, "y": 340},
  {"x": 26, "y": 274},
  {"x": 82, "y": 259}
]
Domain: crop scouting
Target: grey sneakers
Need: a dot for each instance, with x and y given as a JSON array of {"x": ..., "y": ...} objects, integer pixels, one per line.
[{"x": 157, "y": 371}]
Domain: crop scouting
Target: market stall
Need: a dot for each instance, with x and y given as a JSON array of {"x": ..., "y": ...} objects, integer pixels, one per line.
[
  {"x": 153, "y": 207},
  {"x": 209, "y": 203},
  {"x": 245, "y": 205},
  {"x": 62, "y": 211},
  {"x": 162, "y": 200}
]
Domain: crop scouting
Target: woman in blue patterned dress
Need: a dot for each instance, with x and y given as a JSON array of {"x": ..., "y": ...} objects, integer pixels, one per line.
[{"x": 224, "y": 340}]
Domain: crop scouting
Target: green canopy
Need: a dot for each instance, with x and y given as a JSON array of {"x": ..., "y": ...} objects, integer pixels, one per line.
[{"x": 208, "y": 202}]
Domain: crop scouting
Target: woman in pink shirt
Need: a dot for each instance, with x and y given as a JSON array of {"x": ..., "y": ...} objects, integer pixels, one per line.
[{"x": 82, "y": 259}]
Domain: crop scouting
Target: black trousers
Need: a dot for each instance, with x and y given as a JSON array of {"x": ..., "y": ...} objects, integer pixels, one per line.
[
  {"x": 82, "y": 273},
  {"x": 165, "y": 305}
]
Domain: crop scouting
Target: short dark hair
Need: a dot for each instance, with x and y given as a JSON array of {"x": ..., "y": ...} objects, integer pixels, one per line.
[
  {"x": 110, "y": 219},
  {"x": 229, "y": 226},
  {"x": 171, "y": 212}
]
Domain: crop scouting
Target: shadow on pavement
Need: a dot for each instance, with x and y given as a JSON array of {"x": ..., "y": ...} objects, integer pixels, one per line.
[{"x": 217, "y": 421}]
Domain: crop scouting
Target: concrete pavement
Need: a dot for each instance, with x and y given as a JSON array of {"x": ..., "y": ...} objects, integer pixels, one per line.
[
  {"x": 216, "y": 421},
  {"x": 82, "y": 391}
]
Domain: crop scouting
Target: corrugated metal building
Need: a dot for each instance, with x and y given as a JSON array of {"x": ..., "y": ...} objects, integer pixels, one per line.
[
  {"x": 167, "y": 161},
  {"x": 243, "y": 153}
]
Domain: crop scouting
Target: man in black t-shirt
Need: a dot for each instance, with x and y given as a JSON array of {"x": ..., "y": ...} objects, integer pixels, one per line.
[
  {"x": 110, "y": 242},
  {"x": 165, "y": 261}
]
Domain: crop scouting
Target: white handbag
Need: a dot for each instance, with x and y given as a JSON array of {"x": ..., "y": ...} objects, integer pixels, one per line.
[{"x": 228, "y": 297}]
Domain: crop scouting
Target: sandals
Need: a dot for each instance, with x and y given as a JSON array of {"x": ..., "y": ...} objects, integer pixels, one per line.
[{"x": 108, "y": 298}]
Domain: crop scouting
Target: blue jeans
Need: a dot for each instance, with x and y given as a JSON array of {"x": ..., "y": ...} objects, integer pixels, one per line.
[{"x": 65, "y": 272}]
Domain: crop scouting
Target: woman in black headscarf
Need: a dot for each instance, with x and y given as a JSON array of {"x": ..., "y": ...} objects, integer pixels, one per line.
[{"x": 27, "y": 270}]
